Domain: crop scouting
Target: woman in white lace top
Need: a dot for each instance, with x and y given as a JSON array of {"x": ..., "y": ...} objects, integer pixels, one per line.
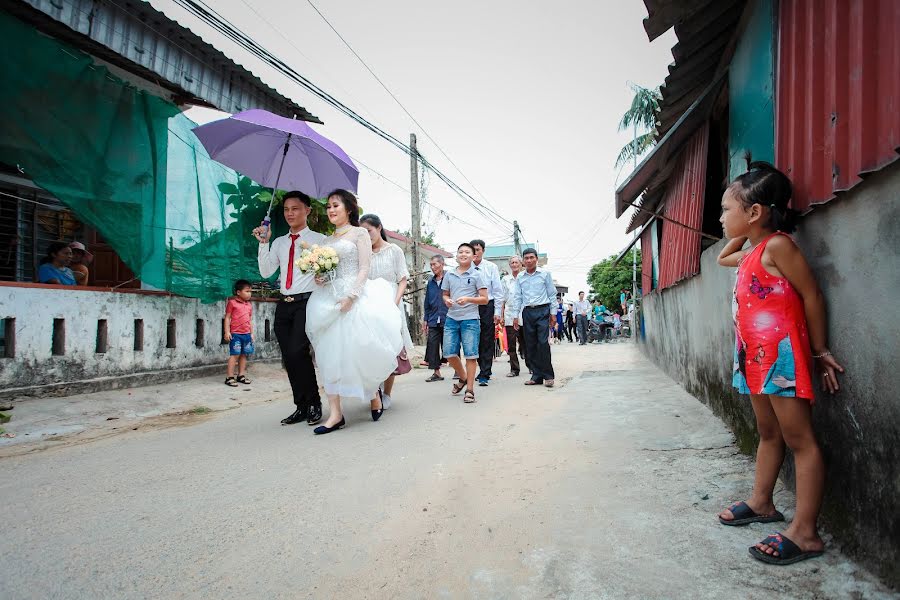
[
  {"x": 352, "y": 321},
  {"x": 389, "y": 264}
]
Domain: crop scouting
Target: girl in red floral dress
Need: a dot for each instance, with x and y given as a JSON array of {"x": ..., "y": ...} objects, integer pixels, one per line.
[{"x": 780, "y": 325}]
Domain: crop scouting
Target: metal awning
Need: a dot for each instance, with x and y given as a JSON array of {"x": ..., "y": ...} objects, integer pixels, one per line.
[
  {"x": 633, "y": 241},
  {"x": 651, "y": 174},
  {"x": 142, "y": 41}
]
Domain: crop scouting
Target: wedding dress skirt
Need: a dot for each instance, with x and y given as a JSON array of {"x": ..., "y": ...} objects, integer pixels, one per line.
[{"x": 357, "y": 350}]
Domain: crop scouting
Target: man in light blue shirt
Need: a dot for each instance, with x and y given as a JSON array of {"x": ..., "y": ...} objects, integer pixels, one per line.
[
  {"x": 534, "y": 295},
  {"x": 489, "y": 313}
]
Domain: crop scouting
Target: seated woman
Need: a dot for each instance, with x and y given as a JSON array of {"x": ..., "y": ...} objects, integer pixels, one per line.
[{"x": 55, "y": 265}]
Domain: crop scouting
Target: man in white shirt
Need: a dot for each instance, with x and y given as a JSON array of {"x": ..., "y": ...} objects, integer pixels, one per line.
[
  {"x": 290, "y": 314},
  {"x": 513, "y": 337},
  {"x": 582, "y": 309},
  {"x": 490, "y": 312}
]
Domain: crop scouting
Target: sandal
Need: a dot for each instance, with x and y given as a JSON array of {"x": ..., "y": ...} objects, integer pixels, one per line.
[
  {"x": 458, "y": 387},
  {"x": 230, "y": 381},
  {"x": 469, "y": 398},
  {"x": 243, "y": 379},
  {"x": 788, "y": 552},
  {"x": 744, "y": 515},
  {"x": 434, "y": 378},
  {"x": 533, "y": 382}
]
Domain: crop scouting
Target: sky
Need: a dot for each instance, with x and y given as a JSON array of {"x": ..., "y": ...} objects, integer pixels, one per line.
[{"x": 524, "y": 97}]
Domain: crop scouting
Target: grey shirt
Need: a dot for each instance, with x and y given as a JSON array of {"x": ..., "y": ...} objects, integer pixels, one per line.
[{"x": 463, "y": 284}]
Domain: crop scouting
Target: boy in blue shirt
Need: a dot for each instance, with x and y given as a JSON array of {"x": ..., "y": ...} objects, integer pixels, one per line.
[{"x": 464, "y": 289}]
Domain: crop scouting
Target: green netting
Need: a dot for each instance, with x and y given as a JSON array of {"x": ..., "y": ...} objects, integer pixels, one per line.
[{"x": 127, "y": 164}]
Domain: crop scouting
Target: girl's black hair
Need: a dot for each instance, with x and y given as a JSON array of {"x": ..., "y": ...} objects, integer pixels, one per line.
[
  {"x": 375, "y": 222},
  {"x": 52, "y": 249},
  {"x": 350, "y": 203},
  {"x": 765, "y": 185}
]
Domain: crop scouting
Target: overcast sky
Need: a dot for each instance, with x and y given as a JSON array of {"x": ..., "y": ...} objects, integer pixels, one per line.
[{"x": 524, "y": 96}]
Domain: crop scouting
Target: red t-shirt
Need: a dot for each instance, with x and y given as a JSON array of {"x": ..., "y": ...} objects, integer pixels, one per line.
[{"x": 240, "y": 312}]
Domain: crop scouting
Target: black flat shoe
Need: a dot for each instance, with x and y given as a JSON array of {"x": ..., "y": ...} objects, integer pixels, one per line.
[
  {"x": 297, "y": 416},
  {"x": 314, "y": 415},
  {"x": 321, "y": 429}
]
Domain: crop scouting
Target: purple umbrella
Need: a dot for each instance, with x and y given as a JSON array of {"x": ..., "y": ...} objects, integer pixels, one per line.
[{"x": 279, "y": 152}]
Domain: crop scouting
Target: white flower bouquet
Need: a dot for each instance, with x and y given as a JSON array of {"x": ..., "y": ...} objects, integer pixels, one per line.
[{"x": 320, "y": 260}]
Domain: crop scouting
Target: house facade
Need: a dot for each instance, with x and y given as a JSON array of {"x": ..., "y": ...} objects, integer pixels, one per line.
[{"x": 813, "y": 87}]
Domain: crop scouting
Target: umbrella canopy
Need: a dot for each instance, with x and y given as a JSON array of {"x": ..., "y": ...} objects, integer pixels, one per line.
[{"x": 279, "y": 152}]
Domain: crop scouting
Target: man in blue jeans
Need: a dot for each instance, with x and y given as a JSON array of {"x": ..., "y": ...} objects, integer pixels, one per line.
[{"x": 464, "y": 290}]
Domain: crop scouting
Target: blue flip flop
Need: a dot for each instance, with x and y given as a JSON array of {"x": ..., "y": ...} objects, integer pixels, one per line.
[
  {"x": 744, "y": 515},
  {"x": 788, "y": 552}
]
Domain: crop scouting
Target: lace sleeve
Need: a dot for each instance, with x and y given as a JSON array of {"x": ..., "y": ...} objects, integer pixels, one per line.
[
  {"x": 364, "y": 249},
  {"x": 400, "y": 268}
]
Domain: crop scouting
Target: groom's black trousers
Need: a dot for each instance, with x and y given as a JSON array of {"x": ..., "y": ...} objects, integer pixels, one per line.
[{"x": 290, "y": 330}]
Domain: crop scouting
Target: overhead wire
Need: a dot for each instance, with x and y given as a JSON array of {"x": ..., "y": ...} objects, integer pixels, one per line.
[
  {"x": 211, "y": 17},
  {"x": 396, "y": 100}
]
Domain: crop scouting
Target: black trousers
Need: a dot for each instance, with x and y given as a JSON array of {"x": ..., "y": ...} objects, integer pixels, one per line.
[
  {"x": 296, "y": 355},
  {"x": 512, "y": 337},
  {"x": 581, "y": 324},
  {"x": 486, "y": 342},
  {"x": 536, "y": 322},
  {"x": 433, "y": 346}
]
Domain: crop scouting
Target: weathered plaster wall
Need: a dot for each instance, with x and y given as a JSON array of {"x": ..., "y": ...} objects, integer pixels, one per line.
[
  {"x": 35, "y": 309},
  {"x": 852, "y": 246}
]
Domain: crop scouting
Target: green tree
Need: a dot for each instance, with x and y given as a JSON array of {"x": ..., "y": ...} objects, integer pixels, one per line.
[
  {"x": 607, "y": 281},
  {"x": 641, "y": 115}
]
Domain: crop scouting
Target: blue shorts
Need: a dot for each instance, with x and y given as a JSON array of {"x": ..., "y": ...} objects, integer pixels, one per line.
[
  {"x": 464, "y": 332},
  {"x": 241, "y": 343}
]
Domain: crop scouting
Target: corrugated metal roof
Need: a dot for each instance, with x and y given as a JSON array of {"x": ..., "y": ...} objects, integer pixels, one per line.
[
  {"x": 838, "y": 96},
  {"x": 679, "y": 251},
  {"x": 706, "y": 37},
  {"x": 134, "y": 36}
]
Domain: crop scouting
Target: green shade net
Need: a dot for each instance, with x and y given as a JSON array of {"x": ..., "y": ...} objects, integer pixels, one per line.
[{"x": 128, "y": 165}]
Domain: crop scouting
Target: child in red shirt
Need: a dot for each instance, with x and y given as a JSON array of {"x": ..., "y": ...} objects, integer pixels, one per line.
[{"x": 239, "y": 332}]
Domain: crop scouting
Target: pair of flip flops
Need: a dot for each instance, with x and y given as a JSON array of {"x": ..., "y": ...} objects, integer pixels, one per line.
[{"x": 788, "y": 552}]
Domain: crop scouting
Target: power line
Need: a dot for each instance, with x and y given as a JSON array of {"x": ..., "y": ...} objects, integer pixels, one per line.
[
  {"x": 394, "y": 97},
  {"x": 211, "y": 17}
]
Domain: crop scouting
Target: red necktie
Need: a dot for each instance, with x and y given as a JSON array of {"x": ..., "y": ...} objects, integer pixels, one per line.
[{"x": 289, "y": 279}]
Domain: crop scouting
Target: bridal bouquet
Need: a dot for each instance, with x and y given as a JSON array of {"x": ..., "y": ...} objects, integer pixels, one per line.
[{"x": 320, "y": 260}]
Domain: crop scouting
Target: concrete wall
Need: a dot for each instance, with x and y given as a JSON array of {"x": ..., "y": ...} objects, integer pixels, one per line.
[
  {"x": 852, "y": 246},
  {"x": 35, "y": 308}
]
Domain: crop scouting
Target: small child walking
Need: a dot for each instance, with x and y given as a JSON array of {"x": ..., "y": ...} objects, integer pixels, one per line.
[
  {"x": 463, "y": 289},
  {"x": 780, "y": 323},
  {"x": 239, "y": 332}
]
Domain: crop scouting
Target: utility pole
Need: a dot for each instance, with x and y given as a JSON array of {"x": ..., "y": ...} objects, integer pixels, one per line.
[
  {"x": 516, "y": 240},
  {"x": 632, "y": 323},
  {"x": 416, "y": 234}
]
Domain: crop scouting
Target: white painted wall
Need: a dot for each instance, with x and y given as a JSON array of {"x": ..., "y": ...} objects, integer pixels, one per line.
[{"x": 35, "y": 308}]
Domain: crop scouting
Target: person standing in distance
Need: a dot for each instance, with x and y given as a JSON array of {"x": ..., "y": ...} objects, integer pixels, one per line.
[
  {"x": 435, "y": 318},
  {"x": 513, "y": 337},
  {"x": 290, "y": 314},
  {"x": 489, "y": 313},
  {"x": 582, "y": 309},
  {"x": 534, "y": 295}
]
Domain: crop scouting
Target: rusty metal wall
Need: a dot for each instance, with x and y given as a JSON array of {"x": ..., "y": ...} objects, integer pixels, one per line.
[
  {"x": 679, "y": 252},
  {"x": 838, "y": 96},
  {"x": 646, "y": 261}
]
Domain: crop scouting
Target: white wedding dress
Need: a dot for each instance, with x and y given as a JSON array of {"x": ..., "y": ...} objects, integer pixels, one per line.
[{"x": 357, "y": 350}]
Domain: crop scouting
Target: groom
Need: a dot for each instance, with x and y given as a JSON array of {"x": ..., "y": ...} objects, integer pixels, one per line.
[{"x": 290, "y": 314}]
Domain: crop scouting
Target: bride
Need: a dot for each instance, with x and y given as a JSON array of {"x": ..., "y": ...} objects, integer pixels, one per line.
[{"x": 352, "y": 322}]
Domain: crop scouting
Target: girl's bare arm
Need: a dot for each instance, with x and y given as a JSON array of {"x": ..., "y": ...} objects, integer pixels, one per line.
[{"x": 731, "y": 254}]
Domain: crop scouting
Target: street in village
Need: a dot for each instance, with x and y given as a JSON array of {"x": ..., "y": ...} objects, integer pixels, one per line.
[{"x": 606, "y": 486}]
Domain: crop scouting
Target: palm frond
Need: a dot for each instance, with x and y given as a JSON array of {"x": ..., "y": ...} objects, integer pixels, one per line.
[
  {"x": 644, "y": 143},
  {"x": 643, "y": 109}
]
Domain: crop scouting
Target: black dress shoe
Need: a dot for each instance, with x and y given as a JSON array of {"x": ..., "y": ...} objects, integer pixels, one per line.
[
  {"x": 321, "y": 429},
  {"x": 376, "y": 414},
  {"x": 314, "y": 415},
  {"x": 297, "y": 416}
]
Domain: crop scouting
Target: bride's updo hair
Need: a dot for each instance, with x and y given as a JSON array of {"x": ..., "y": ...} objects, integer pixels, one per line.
[
  {"x": 375, "y": 222},
  {"x": 350, "y": 203}
]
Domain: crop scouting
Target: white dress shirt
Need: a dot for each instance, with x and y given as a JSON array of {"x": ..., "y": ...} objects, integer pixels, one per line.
[
  {"x": 582, "y": 307},
  {"x": 271, "y": 259},
  {"x": 509, "y": 284},
  {"x": 491, "y": 275}
]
